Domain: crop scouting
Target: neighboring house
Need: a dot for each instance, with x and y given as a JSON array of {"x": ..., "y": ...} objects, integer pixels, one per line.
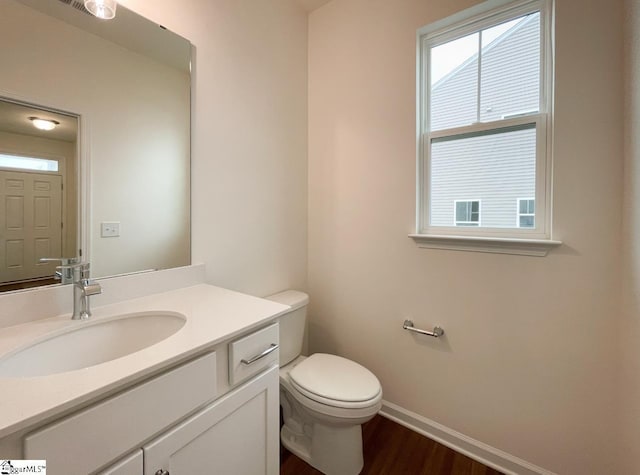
[{"x": 493, "y": 186}]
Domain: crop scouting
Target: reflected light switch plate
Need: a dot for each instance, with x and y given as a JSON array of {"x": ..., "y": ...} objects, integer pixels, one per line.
[{"x": 110, "y": 229}]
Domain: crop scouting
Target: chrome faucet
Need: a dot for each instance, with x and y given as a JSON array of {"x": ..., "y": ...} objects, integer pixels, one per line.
[
  {"x": 73, "y": 270},
  {"x": 83, "y": 288}
]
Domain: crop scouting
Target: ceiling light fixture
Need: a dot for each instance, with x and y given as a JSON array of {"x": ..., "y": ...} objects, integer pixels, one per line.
[
  {"x": 104, "y": 9},
  {"x": 43, "y": 124}
]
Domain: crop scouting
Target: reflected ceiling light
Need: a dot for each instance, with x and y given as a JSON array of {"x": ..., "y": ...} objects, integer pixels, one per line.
[
  {"x": 105, "y": 9},
  {"x": 44, "y": 124}
]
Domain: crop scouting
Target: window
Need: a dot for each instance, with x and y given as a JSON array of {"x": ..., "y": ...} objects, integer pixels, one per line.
[
  {"x": 467, "y": 213},
  {"x": 28, "y": 163},
  {"x": 485, "y": 86},
  {"x": 526, "y": 213}
]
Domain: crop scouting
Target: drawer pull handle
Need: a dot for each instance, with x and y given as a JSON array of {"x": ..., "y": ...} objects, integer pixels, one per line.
[{"x": 271, "y": 349}]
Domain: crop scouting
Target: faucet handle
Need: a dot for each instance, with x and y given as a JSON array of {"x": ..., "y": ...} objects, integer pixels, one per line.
[{"x": 91, "y": 287}]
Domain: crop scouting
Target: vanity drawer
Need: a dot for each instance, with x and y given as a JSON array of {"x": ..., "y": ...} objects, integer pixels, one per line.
[
  {"x": 253, "y": 353},
  {"x": 90, "y": 438}
]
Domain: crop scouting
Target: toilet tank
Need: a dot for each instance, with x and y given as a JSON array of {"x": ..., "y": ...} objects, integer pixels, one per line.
[{"x": 291, "y": 323}]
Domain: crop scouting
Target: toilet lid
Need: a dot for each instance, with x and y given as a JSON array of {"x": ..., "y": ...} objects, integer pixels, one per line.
[{"x": 335, "y": 378}]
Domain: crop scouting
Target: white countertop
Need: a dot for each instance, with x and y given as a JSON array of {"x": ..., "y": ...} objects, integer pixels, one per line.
[{"x": 213, "y": 315}]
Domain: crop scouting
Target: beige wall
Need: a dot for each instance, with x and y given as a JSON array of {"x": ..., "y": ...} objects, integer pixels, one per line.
[
  {"x": 46, "y": 148},
  {"x": 249, "y": 137},
  {"x": 629, "y": 453},
  {"x": 136, "y": 133},
  {"x": 528, "y": 364}
]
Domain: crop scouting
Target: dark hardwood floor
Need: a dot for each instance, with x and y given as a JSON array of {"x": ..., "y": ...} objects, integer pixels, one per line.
[
  {"x": 28, "y": 284},
  {"x": 391, "y": 449}
]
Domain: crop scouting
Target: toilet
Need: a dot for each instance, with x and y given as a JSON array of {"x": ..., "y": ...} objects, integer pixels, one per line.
[{"x": 325, "y": 399}]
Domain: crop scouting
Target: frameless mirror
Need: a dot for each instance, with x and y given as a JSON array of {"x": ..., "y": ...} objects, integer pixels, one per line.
[{"x": 114, "y": 171}]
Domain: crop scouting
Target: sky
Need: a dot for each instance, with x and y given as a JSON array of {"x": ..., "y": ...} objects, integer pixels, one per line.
[{"x": 448, "y": 56}]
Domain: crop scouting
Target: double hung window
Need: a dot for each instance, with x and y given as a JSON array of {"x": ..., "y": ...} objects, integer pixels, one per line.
[
  {"x": 484, "y": 87},
  {"x": 526, "y": 213}
]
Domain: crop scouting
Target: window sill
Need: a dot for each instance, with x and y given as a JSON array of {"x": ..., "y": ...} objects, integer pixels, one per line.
[{"x": 520, "y": 247}]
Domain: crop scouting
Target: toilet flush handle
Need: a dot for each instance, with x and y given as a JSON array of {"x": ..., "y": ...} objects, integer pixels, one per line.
[{"x": 273, "y": 347}]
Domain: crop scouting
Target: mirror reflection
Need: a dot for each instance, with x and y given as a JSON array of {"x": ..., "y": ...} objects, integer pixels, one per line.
[
  {"x": 125, "y": 83},
  {"x": 38, "y": 167}
]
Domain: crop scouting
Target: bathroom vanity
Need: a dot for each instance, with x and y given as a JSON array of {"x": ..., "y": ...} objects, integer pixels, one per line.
[{"x": 202, "y": 400}]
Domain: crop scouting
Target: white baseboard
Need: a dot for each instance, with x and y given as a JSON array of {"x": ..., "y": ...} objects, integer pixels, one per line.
[{"x": 483, "y": 453}]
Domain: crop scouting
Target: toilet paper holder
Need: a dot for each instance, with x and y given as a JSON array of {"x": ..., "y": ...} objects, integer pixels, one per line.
[{"x": 436, "y": 333}]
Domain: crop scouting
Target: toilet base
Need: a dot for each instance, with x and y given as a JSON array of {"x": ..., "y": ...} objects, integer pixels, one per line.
[{"x": 332, "y": 450}]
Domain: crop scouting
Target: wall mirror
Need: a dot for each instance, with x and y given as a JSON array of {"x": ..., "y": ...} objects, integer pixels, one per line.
[{"x": 111, "y": 181}]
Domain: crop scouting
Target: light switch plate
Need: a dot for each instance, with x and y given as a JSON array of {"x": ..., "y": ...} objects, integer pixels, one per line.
[{"x": 110, "y": 229}]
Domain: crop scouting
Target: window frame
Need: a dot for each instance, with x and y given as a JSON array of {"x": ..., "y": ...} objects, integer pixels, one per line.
[
  {"x": 464, "y": 23},
  {"x": 519, "y": 214},
  {"x": 468, "y": 224}
]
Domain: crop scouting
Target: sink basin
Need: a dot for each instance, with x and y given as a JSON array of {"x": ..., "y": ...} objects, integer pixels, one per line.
[{"x": 90, "y": 343}]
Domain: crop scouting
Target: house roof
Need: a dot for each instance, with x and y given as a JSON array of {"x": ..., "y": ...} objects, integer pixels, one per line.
[{"x": 500, "y": 39}]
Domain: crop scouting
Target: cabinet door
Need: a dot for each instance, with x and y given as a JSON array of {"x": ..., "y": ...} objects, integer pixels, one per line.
[
  {"x": 131, "y": 465},
  {"x": 237, "y": 434}
]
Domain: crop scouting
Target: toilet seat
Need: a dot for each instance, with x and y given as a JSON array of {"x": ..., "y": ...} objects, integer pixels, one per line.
[{"x": 335, "y": 381}]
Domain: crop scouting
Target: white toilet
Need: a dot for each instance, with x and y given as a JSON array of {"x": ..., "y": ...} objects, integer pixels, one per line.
[{"x": 324, "y": 398}]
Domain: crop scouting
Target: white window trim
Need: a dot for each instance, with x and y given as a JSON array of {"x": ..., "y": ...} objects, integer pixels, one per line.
[
  {"x": 473, "y": 224},
  {"x": 519, "y": 214},
  {"x": 521, "y": 247},
  {"x": 514, "y": 240}
]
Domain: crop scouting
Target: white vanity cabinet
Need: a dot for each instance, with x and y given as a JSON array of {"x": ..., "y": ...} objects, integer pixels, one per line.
[
  {"x": 236, "y": 435},
  {"x": 200, "y": 418},
  {"x": 131, "y": 465}
]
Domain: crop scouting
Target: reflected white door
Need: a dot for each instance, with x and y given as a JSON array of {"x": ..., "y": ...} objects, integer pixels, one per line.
[{"x": 30, "y": 224}]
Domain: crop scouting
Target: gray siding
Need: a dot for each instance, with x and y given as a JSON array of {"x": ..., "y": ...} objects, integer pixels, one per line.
[
  {"x": 511, "y": 73},
  {"x": 486, "y": 169},
  {"x": 495, "y": 169}
]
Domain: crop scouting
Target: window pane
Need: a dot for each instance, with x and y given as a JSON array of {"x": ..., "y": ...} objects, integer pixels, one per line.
[
  {"x": 454, "y": 83},
  {"x": 28, "y": 163},
  {"x": 510, "y": 69},
  {"x": 496, "y": 167},
  {"x": 461, "y": 211},
  {"x": 531, "y": 206},
  {"x": 527, "y": 221},
  {"x": 524, "y": 208}
]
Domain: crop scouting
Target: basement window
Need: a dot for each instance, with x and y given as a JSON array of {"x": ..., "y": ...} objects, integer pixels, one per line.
[{"x": 485, "y": 82}]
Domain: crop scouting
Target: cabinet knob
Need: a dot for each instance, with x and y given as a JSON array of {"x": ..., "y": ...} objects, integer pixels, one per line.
[{"x": 162, "y": 472}]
